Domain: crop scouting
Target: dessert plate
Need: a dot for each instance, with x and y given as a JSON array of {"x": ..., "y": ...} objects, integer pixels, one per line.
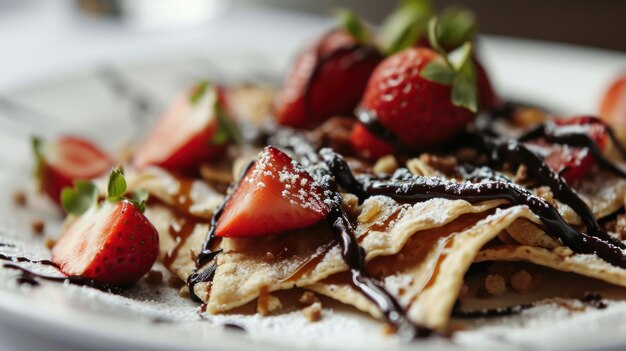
[{"x": 114, "y": 104}]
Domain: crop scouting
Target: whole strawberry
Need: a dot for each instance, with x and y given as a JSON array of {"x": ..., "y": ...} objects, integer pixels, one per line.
[
  {"x": 328, "y": 78},
  {"x": 112, "y": 242},
  {"x": 422, "y": 98}
]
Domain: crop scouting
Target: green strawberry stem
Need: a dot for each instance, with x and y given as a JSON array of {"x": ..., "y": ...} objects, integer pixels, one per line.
[
  {"x": 351, "y": 22},
  {"x": 460, "y": 73},
  {"x": 405, "y": 25},
  {"x": 84, "y": 194},
  {"x": 37, "y": 147}
]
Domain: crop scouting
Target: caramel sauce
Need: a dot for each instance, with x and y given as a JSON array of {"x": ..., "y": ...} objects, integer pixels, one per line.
[
  {"x": 308, "y": 265},
  {"x": 180, "y": 232}
]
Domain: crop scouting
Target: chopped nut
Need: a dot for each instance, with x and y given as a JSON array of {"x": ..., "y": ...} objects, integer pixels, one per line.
[
  {"x": 49, "y": 243},
  {"x": 522, "y": 281},
  {"x": 370, "y": 211},
  {"x": 385, "y": 165},
  {"x": 268, "y": 304},
  {"x": 446, "y": 165},
  {"x": 350, "y": 203},
  {"x": 503, "y": 269},
  {"x": 19, "y": 198},
  {"x": 313, "y": 312},
  {"x": 388, "y": 329},
  {"x": 521, "y": 174},
  {"x": 269, "y": 257},
  {"x": 175, "y": 282},
  {"x": 38, "y": 226},
  {"x": 528, "y": 116},
  {"x": 308, "y": 298},
  {"x": 154, "y": 277},
  {"x": 495, "y": 284},
  {"x": 563, "y": 251},
  {"x": 545, "y": 193},
  {"x": 184, "y": 291}
]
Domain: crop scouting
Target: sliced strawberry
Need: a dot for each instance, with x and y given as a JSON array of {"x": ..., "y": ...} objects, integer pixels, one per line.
[
  {"x": 191, "y": 131},
  {"x": 275, "y": 195},
  {"x": 613, "y": 108},
  {"x": 112, "y": 243},
  {"x": 368, "y": 146},
  {"x": 573, "y": 163},
  {"x": 65, "y": 160},
  {"x": 326, "y": 80}
]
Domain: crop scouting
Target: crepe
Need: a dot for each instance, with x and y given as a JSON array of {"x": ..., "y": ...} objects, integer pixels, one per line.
[{"x": 420, "y": 252}]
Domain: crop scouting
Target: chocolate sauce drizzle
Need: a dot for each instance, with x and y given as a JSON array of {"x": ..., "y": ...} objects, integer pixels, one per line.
[
  {"x": 28, "y": 260},
  {"x": 592, "y": 299},
  {"x": 30, "y": 277},
  {"x": 207, "y": 254},
  {"x": 369, "y": 120},
  {"x": 343, "y": 229}
]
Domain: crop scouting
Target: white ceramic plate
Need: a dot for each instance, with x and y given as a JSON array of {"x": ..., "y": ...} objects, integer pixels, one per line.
[{"x": 114, "y": 112}]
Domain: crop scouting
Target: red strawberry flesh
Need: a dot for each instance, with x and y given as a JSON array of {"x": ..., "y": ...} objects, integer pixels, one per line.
[
  {"x": 276, "y": 195},
  {"x": 68, "y": 159},
  {"x": 332, "y": 75},
  {"x": 182, "y": 137}
]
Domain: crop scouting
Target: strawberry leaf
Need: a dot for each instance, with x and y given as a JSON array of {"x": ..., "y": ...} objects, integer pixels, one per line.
[
  {"x": 227, "y": 129},
  {"x": 198, "y": 92},
  {"x": 37, "y": 146},
  {"x": 438, "y": 71},
  {"x": 457, "y": 26},
  {"x": 464, "y": 92},
  {"x": 139, "y": 198},
  {"x": 116, "y": 186},
  {"x": 79, "y": 199},
  {"x": 353, "y": 25},
  {"x": 404, "y": 27}
]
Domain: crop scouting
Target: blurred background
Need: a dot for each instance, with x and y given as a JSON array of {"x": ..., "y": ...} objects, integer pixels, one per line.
[{"x": 43, "y": 37}]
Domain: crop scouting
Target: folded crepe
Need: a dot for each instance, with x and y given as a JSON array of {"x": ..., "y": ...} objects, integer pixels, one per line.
[{"x": 420, "y": 251}]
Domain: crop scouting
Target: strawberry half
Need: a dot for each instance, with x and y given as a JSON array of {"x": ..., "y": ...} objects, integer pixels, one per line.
[
  {"x": 112, "y": 243},
  {"x": 613, "y": 108},
  {"x": 274, "y": 196},
  {"x": 327, "y": 79},
  {"x": 194, "y": 129},
  {"x": 61, "y": 162},
  {"x": 572, "y": 163}
]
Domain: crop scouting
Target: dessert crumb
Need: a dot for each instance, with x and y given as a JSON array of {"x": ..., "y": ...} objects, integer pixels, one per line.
[
  {"x": 174, "y": 282},
  {"x": 308, "y": 298},
  {"x": 385, "y": 165},
  {"x": 388, "y": 329},
  {"x": 521, "y": 174},
  {"x": 154, "y": 277},
  {"x": 19, "y": 198},
  {"x": 49, "y": 243},
  {"x": 495, "y": 284},
  {"x": 445, "y": 165},
  {"x": 268, "y": 304},
  {"x": 269, "y": 256},
  {"x": 313, "y": 312},
  {"x": 503, "y": 269},
  {"x": 38, "y": 226},
  {"x": 522, "y": 281},
  {"x": 184, "y": 292}
]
